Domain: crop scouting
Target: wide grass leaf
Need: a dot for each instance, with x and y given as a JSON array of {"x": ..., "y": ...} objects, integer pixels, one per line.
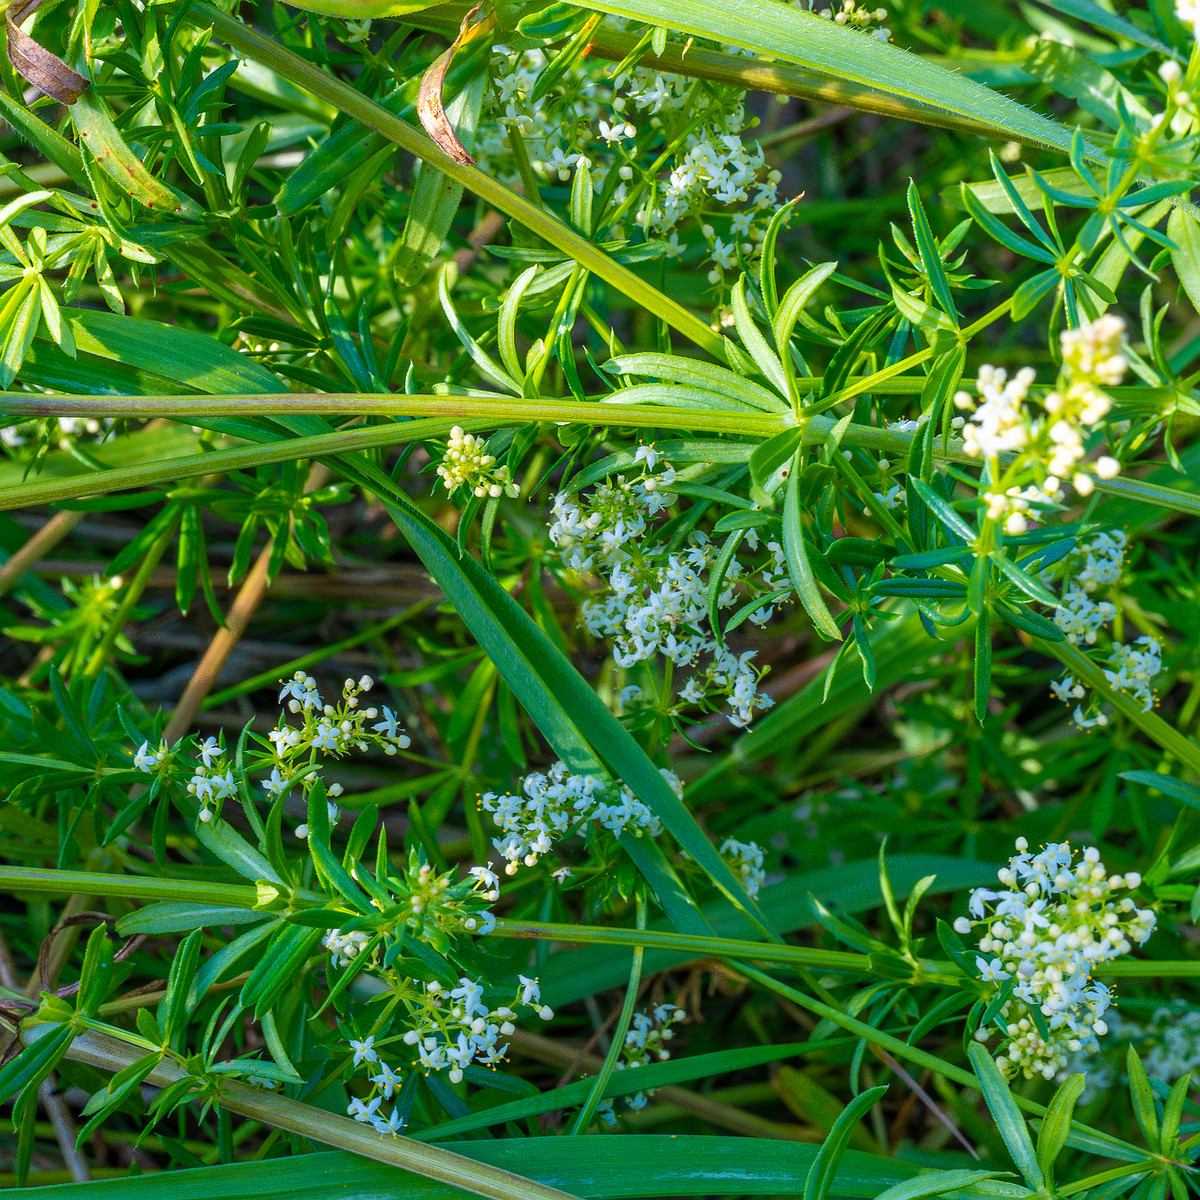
[
  {"x": 778, "y": 31},
  {"x": 602, "y": 1167}
]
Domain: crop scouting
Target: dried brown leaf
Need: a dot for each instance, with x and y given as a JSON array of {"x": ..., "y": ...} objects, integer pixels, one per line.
[
  {"x": 429, "y": 99},
  {"x": 47, "y": 72}
]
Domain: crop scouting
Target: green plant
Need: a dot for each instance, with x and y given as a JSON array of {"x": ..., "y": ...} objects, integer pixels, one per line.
[{"x": 679, "y": 596}]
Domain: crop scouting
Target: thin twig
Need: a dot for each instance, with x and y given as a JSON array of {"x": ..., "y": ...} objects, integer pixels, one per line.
[
  {"x": 806, "y": 129},
  {"x": 925, "y": 1098},
  {"x": 204, "y": 678},
  {"x": 65, "y": 1132},
  {"x": 34, "y": 550}
]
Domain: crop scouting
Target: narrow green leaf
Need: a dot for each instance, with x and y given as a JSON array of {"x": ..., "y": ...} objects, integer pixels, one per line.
[
  {"x": 1142, "y": 1096},
  {"x": 778, "y": 31},
  {"x": 792, "y": 305},
  {"x": 229, "y": 847},
  {"x": 1007, "y": 1116},
  {"x": 114, "y": 157},
  {"x": 36, "y": 1059},
  {"x": 675, "y": 395},
  {"x": 1029, "y": 584},
  {"x": 1056, "y": 1124},
  {"x": 95, "y": 976},
  {"x": 435, "y": 196},
  {"x": 943, "y": 511},
  {"x": 823, "y": 1171},
  {"x": 484, "y": 361},
  {"x": 616, "y": 1165},
  {"x": 931, "y": 259},
  {"x": 506, "y": 326},
  {"x": 1001, "y": 232},
  {"x": 936, "y": 1183},
  {"x": 1184, "y": 231},
  {"x": 796, "y": 552},
  {"x": 179, "y": 917},
  {"x": 1101, "y": 18},
  {"x": 1186, "y": 793},
  {"x": 1072, "y": 73},
  {"x": 172, "y": 1008},
  {"x": 983, "y": 661},
  {"x": 703, "y": 375},
  {"x": 764, "y": 357}
]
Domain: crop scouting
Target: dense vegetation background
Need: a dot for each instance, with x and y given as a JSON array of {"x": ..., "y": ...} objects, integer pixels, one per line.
[{"x": 599, "y": 600}]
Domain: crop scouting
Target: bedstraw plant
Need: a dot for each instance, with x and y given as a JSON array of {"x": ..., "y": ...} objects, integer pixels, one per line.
[{"x": 600, "y": 599}]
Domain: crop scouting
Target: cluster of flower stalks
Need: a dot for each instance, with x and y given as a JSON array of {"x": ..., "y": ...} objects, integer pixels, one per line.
[{"x": 1059, "y": 917}]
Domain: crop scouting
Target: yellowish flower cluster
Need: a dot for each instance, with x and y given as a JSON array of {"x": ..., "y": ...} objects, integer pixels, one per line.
[{"x": 467, "y": 462}]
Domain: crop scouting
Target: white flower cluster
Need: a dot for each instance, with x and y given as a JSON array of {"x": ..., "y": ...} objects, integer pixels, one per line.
[
  {"x": 745, "y": 859},
  {"x": 327, "y": 729},
  {"x": 1092, "y": 360},
  {"x": 855, "y": 16},
  {"x": 645, "y": 1043},
  {"x": 657, "y": 597},
  {"x": 714, "y": 165},
  {"x": 1188, "y": 11},
  {"x": 1049, "y": 448},
  {"x": 1096, "y": 564},
  {"x": 998, "y": 423},
  {"x": 1168, "y": 1042},
  {"x": 457, "y": 1028},
  {"x": 451, "y": 1029},
  {"x": 1059, "y": 917},
  {"x": 466, "y": 461},
  {"x": 344, "y": 948},
  {"x": 1129, "y": 668},
  {"x": 212, "y": 782},
  {"x": 693, "y": 131},
  {"x": 557, "y": 802},
  {"x": 1132, "y": 669}
]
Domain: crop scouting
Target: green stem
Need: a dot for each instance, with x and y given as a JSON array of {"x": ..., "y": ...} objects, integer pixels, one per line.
[
  {"x": 584, "y": 1117},
  {"x": 22, "y": 405},
  {"x": 346, "y": 441},
  {"x": 133, "y": 593},
  {"x": 374, "y": 116},
  {"x": 281, "y": 1112},
  {"x": 448, "y": 409},
  {"x": 1150, "y": 723},
  {"x": 472, "y": 412},
  {"x": 694, "y": 945},
  {"x": 130, "y": 887}
]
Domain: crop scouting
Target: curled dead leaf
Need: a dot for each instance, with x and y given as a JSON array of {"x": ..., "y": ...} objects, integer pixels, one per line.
[
  {"x": 429, "y": 99},
  {"x": 47, "y": 72}
]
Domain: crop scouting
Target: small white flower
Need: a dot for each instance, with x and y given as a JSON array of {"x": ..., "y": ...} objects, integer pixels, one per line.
[
  {"x": 364, "y": 1112},
  {"x": 209, "y": 749},
  {"x": 363, "y": 1050},
  {"x": 146, "y": 759},
  {"x": 387, "y": 1080}
]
